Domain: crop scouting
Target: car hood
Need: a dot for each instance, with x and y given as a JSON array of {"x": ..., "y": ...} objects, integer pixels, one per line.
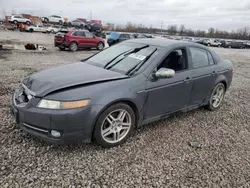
[{"x": 61, "y": 77}]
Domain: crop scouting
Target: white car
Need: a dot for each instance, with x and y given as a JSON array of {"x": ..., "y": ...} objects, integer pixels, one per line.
[
  {"x": 52, "y": 29},
  {"x": 54, "y": 19},
  {"x": 213, "y": 42},
  {"x": 35, "y": 28},
  {"x": 19, "y": 19}
]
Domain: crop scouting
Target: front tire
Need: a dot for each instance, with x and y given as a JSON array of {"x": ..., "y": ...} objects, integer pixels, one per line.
[
  {"x": 73, "y": 46},
  {"x": 15, "y": 22},
  {"x": 100, "y": 46},
  {"x": 114, "y": 126},
  {"x": 216, "y": 97}
]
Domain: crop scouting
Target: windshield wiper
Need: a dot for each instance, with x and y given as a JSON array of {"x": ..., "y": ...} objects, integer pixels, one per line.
[
  {"x": 139, "y": 65},
  {"x": 125, "y": 54}
]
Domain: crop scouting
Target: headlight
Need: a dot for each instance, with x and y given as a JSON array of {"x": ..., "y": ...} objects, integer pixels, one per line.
[{"x": 61, "y": 105}]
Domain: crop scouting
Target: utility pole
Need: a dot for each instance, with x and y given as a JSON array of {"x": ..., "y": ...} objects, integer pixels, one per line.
[
  {"x": 161, "y": 26},
  {"x": 90, "y": 15}
]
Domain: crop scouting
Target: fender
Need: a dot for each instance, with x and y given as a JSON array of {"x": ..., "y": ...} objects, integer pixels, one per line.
[{"x": 221, "y": 78}]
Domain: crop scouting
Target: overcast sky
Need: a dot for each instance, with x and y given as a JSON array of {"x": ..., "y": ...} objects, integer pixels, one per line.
[{"x": 195, "y": 14}]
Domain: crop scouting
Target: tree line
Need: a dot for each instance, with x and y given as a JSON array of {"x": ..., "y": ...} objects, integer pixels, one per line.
[{"x": 241, "y": 34}]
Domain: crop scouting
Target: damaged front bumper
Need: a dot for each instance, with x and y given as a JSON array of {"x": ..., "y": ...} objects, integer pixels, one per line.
[{"x": 72, "y": 125}]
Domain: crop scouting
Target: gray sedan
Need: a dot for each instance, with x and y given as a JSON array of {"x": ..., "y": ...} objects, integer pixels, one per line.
[{"x": 104, "y": 98}]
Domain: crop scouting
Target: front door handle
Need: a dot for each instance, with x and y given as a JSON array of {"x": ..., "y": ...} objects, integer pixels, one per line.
[
  {"x": 187, "y": 79},
  {"x": 213, "y": 73}
]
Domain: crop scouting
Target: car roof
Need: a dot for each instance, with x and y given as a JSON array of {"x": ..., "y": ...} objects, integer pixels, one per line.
[{"x": 162, "y": 42}]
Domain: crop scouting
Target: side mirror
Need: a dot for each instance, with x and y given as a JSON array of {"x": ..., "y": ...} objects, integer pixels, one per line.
[{"x": 164, "y": 73}]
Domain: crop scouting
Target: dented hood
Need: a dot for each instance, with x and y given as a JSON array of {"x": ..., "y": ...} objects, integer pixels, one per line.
[{"x": 53, "y": 79}]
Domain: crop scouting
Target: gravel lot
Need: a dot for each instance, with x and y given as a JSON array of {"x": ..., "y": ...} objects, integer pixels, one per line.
[{"x": 196, "y": 149}]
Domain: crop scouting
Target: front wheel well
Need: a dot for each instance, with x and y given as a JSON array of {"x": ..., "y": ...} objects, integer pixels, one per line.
[
  {"x": 131, "y": 104},
  {"x": 224, "y": 83}
]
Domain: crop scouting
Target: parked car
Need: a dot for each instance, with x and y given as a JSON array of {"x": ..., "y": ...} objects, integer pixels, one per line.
[
  {"x": 107, "y": 95},
  {"x": 19, "y": 19},
  {"x": 78, "y": 39},
  {"x": 116, "y": 38},
  {"x": 53, "y": 29},
  {"x": 77, "y": 24},
  {"x": 35, "y": 28},
  {"x": 94, "y": 27},
  {"x": 1, "y": 21},
  {"x": 113, "y": 38},
  {"x": 246, "y": 44},
  {"x": 202, "y": 41},
  {"x": 213, "y": 42},
  {"x": 54, "y": 19},
  {"x": 239, "y": 45}
]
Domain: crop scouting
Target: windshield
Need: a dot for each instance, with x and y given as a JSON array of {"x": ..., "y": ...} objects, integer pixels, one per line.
[{"x": 119, "y": 57}]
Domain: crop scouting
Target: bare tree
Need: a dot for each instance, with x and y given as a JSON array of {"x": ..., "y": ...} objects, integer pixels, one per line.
[
  {"x": 182, "y": 29},
  {"x": 172, "y": 29},
  {"x": 211, "y": 31}
]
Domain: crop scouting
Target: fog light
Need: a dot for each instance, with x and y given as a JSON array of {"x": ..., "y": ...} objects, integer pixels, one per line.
[{"x": 55, "y": 134}]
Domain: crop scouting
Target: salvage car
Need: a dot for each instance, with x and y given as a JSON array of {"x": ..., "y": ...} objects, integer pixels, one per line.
[
  {"x": 35, "y": 28},
  {"x": 239, "y": 45},
  {"x": 115, "y": 38},
  {"x": 104, "y": 97},
  {"x": 75, "y": 40},
  {"x": 77, "y": 24},
  {"x": 213, "y": 42},
  {"x": 53, "y": 29},
  {"x": 53, "y": 19},
  {"x": 19, "y": 19}
]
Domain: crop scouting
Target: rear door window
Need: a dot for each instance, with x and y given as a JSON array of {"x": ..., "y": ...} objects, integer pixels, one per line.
[
  {"x": 77, "y": 33},
  {"x": 210, "y": 58},
  {"x": 89, "y": 35},
  {"x": 199, "y": 57}
]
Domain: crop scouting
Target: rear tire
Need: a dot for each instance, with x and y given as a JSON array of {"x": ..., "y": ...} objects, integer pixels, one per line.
[
  {"x": 111, "y": 130},
  {"x": 52, "y": 31},
  {"x": 216, "y": 97},
  {"x": 31, "y": 30},
  {"x": 60, "y": 22},
  {"x": 15, "y": 22},
  {"x": 28, "y": 23},
  {"x": 73, "y": 46}
]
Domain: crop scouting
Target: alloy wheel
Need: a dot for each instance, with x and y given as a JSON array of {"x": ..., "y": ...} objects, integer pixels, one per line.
[
  {"x": 73, "y": 46},
  {"x": 218, "y": 96},
  {"x": 100, "y": 46},
  {"x": 116, "y": 126}
]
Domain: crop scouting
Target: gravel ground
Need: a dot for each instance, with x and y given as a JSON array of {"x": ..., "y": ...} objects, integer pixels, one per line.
[{"x": 196, "y": 149}]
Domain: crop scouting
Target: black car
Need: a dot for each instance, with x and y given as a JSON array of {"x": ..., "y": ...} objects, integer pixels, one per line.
[
  {"x": 105, "y": 97},
  {"x": 239, "y": 45},
  {"x": 94, "y": 27}
]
